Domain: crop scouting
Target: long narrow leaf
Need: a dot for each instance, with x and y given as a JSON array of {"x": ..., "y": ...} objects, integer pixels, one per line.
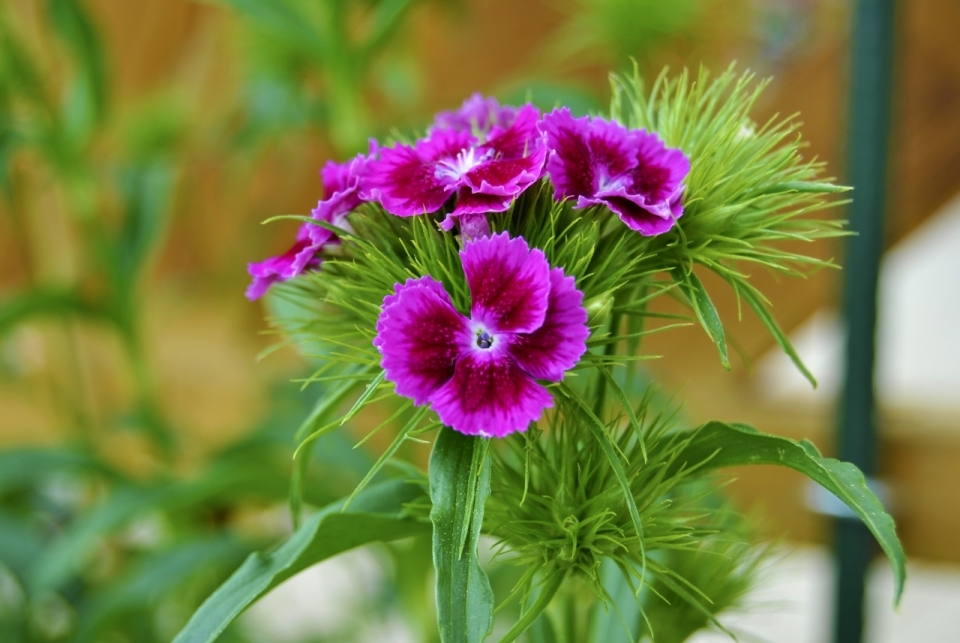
[
  {"x": 376, "y": 515},
  {"x": 716, "y": 445}
]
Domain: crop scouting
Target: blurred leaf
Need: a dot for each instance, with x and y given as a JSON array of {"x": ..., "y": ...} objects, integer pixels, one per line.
[
  {"x": 20, "y": 543},
  {"x": 89, "y": 102},
  {"x": 146, "y": 189},
  {"x": 71, "y": 551},
  {"x": 459, "y": 486},
  {"x": 145, "y": 584},
  {"x": 281, "y": 20},
  {"x": 47, "y": 302},
  {"x": 226, "y": 481},
  {"x": 387, "y": 18},
  {"x": 20, "y": 467},
  {"x": 716, "y": 445},
  {"x": 375, "y": 515}
]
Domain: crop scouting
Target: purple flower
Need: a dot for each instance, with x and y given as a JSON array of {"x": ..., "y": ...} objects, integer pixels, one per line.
[
  {"x": 478, "y": 115},
  {"x": 342, "y": 185},
  {"x": 630, "y": 171},
  {"x": 486, "y": 176},
  {"x": 479, "y": 373}
]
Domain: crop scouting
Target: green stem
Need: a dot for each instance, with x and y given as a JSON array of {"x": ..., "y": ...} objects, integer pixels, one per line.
[{"x": 608, "y": 350}]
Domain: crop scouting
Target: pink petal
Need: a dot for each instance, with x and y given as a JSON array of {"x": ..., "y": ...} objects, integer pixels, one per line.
[
  {"x": 584, "y": 152},
  {"x": 302, "y": 255},
  {"x": 509, "y": 283},
  {"x": 554, "y": 348},
  {"x": 477, "y": 112},
  {"x": 405, "y": 179},
  {"x": 505, "y": 176},
  {"x": 648, "y": 220},
  {"x": 489, "y": 396},
  {"x": 519, "y": 138},
  {"x": 659, "y": 170},
  {"x": 420, "y": 336},
  {"x": 470, "y": 203}
]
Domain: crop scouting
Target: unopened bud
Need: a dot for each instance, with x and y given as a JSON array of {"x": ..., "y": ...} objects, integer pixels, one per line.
[{"x": 598, "y": 309}]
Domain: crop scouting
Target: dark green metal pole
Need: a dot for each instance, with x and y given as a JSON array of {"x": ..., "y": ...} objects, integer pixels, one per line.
[{"x": 870, "y": 95}]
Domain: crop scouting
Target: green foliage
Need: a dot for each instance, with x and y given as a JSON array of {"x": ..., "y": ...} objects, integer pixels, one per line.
[
  {"x": 459, "y": 487},
  {"x": 716, "y": 445},
  {"x": 313, "y": 66},
  {"x": 377, "y": 514}
]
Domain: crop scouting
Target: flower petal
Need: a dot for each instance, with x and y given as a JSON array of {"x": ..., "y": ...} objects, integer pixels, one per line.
[
  {"x": 646, "y": 219},
  {"x": 659, "y": 170},
  {"x": 509, "y": 283},
  {"x": 554, "y": 348},
  {"x": 405, "y": 179},
  {"x": 302, "y": 255},
  {"x": 506, "y": 176},
  {"x": 477, "y": 113},
  {"x": 585, "y": 152},
  {"x": 489, "y": 395},
  {"x": 520, "y": 138},
  {"x": 339, "y": 177},
  {"x": 420, "y": 336}
]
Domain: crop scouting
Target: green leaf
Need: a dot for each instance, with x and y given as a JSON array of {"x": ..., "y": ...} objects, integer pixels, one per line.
[
  {"x": 148, "y": 581},
  {"x": 548, "y": 589},
  {"x": 459, "y": 486},
  {"x": 375, "y": 515},
  {"x": 706, "y": 314},
  {"x": 46, "y": 302},
  {"x": 26, "y": 466},
  {"x": 716, "y": 445},
  {"x": 73, "y": 25},
  {"x": 753, "y": 299},
  {"x": 812, "y": 187},
  {"x": 281, "y": 20}
]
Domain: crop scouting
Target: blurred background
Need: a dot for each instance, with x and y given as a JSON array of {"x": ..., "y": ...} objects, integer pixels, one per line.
[{"x": 144, "y": 447}]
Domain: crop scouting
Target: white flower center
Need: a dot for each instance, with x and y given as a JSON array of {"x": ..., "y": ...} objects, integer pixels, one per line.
[{"x": 454, "y": 168}]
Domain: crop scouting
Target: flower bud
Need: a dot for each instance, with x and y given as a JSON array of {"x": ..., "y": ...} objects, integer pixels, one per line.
[{"x": 598, "y": 309}]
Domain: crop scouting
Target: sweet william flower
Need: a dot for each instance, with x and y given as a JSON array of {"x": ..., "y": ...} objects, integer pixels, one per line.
[
  {"x": 342, "y": 183},
  {"x": 632, "y": 172},
  {"x": 484, "y": 173},
  {"x": 479, "y": 373}
]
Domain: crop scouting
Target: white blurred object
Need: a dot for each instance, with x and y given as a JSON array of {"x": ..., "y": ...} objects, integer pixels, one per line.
[
  {"x": 325, "y": 601},
  {"x": 792, "y": 604},
  {"x": 918, "y": 334}
]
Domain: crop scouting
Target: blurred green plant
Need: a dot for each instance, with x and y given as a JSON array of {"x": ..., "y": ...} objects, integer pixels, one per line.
[
  {"x": 88, "y": 551},
  {"x": 315, "y": 64}
]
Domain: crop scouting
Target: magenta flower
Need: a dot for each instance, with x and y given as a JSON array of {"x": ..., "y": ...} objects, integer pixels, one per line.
[
  {"x": 485, "y": 176},
  {"x": 630, "y": 171},
  {"x": 479, "y": 373},
  {"x": 342, "y": 185},
  {"x": 478, "y": 115}
]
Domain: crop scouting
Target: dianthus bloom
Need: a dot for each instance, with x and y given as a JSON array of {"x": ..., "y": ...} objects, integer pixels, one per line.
[
  {"x": 478, "y": 114},
  {"x": 485, "y": 173},
  {"x": 342, "y": 186},
  {"x": 631, "y": 172},
  {"x": 527, "y": 322}
]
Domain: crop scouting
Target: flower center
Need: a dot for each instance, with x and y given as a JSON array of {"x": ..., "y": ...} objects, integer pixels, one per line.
[
  {"x": 484, "y": 339},
  {"x": 454, "y": 168},
  {"x": 605, "y": 182}
]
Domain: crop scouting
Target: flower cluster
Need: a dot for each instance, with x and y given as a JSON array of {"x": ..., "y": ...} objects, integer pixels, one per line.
[{"x": 481, "y": 373}]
